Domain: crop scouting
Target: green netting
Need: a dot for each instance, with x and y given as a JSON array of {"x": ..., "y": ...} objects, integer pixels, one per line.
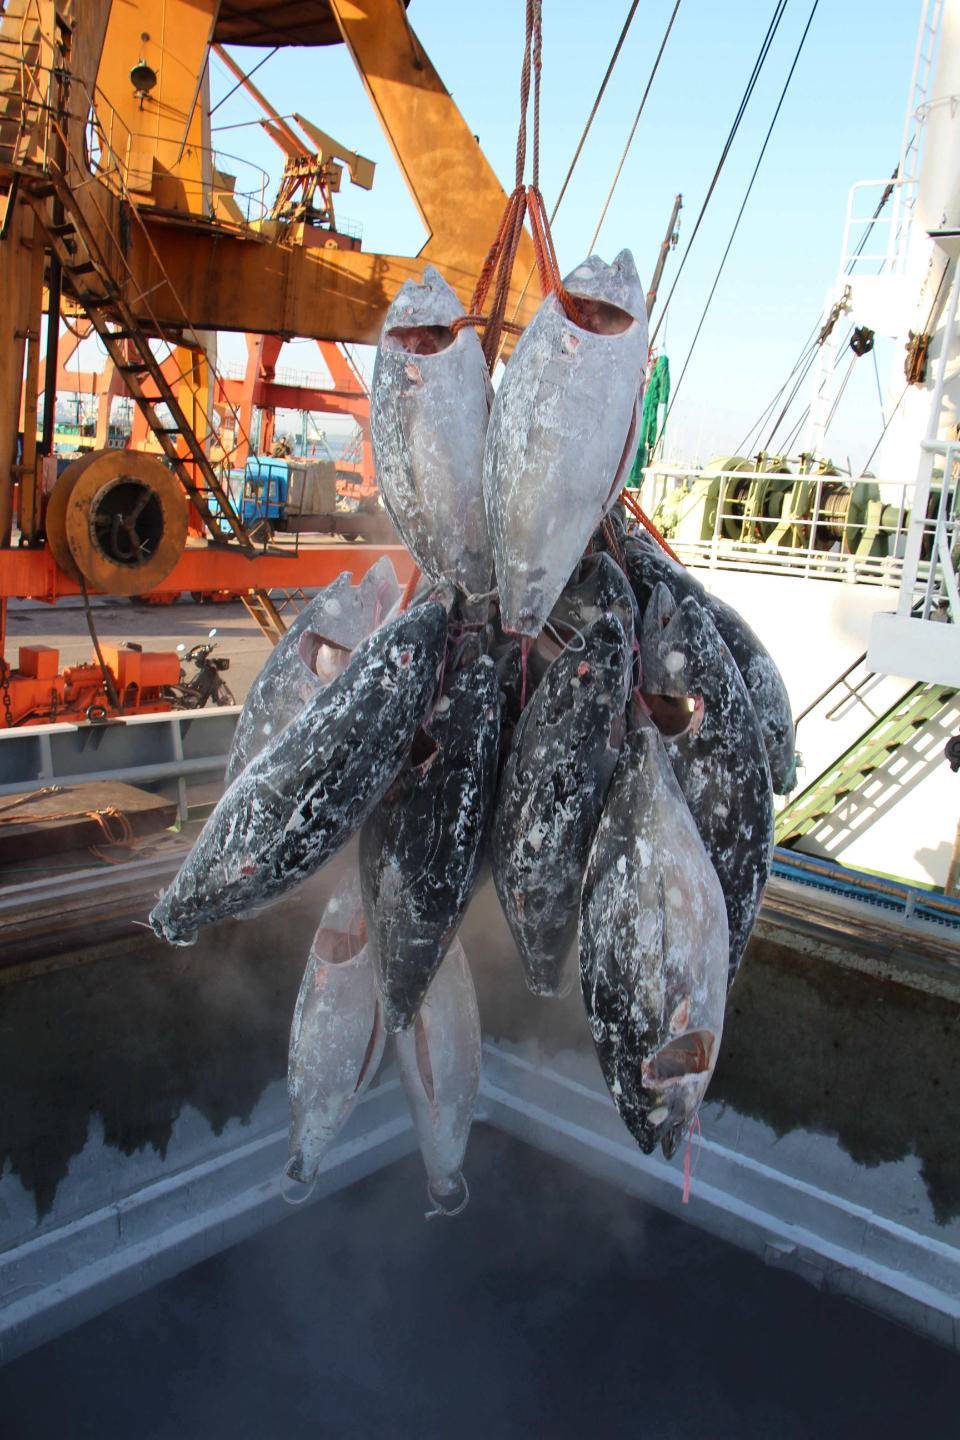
[{"x": 657, "y": 394}]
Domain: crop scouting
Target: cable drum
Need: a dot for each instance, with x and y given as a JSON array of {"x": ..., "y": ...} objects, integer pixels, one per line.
[{"x": 118, "y": 518}]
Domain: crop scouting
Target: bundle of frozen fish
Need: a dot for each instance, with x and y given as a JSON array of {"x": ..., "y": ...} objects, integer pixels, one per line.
[{"x": 559, "y": 695}]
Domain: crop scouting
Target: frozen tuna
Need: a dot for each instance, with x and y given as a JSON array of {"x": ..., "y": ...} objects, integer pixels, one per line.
[
  {"x": 420, "y": 850},
  {"x": 597, "y": 587},
  {"x": 649, "y": 565},
  {"x": 303, "y": 796},
  {"x": 429, "y": 409},
  {"x": 551, "y": 796},
  {"x": 315, "y": 648},
  {"x": 336, "y": 1040},
  {"x": 562, "y": 435},
  {"x": 717, "y": 751},
  {"x": 653, "y": 948},
  {"x": 439, "y": 1062}
]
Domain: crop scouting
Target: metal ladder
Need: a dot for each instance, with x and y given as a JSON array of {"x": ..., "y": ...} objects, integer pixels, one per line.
[
  {"x": 88, "y": 278},
  {"x": 914, "y": 127},
  {"x": 920, "y": 704}
]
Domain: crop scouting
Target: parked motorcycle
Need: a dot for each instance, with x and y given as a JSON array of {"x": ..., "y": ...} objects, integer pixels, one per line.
[{"x": 206, "y": 683}]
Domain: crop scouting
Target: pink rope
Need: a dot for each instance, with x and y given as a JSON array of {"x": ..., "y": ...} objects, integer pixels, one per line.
[
  {"x": 525, "y": 644},
  {"x": 688, "y": 1170}
]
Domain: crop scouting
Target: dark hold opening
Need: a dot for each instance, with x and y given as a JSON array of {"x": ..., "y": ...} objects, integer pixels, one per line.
[
  {"x": 600, "y": 317},
  {"x": 419, "y": 339},
  {"x": 422, "y": 1050},
  {"x": 672, "y": 714},
  {"x": 686, "y": 1055}
]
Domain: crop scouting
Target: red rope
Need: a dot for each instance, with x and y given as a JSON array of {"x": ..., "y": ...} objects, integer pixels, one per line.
[
  {"x": 647, "y": 524},
  {"x": 409, "y": 588},
  {"x": 524, "y": 202}
]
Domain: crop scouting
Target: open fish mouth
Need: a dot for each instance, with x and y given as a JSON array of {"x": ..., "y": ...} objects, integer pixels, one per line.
[
  {"x": 310, "y": 646},
  {"x": 601, "y": 317},
  {"x": 684, "y": 1056},
  {"x": 674, "y": 715},
  {"x": 338, "y": 946},
  {"x": 418, "y": 339}
]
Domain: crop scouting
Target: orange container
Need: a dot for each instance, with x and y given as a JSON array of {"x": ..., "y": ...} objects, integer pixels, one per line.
[{"x": 40, "y": 662}]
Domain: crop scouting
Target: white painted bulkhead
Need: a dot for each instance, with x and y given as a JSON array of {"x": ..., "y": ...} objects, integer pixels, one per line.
[{"x": 815, "y": 629}]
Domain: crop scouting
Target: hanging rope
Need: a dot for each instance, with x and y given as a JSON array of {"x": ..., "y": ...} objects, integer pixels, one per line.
[
  {"x": 496, "y": 272},
  {"x": 583, "y": 137}
]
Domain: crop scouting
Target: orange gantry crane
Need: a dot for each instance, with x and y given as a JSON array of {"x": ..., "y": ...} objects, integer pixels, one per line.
[{"x": 113, "y": 211}]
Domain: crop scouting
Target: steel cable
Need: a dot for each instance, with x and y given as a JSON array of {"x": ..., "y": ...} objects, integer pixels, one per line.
[
  {"x": 741, "y": 110},
  {"x": 633, "y": 128}
]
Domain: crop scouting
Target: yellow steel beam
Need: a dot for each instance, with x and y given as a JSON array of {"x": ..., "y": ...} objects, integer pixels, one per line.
[{"x": 234, "y": 282}]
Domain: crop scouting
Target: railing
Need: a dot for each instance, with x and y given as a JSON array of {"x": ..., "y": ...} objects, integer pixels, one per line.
[
  {"x": 108, "y": 140},
  {"x": 811, "y": 525},
  {"x": 860, "y": 254},
  {"x": 941, "y": 536}
]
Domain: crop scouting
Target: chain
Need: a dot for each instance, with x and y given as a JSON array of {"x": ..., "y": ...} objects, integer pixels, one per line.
[{"x": 5, "y": 688}]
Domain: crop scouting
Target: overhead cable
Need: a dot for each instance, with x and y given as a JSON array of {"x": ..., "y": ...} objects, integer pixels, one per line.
[
  {"x": 743, "y": 204},
  {"x": 741, "y": 110},
  {"x": 246, "y": 77},
  {"x": 811, "y": 344},
  {"x": 633, "y": 128},
  {"x": 596, "y": 105}
]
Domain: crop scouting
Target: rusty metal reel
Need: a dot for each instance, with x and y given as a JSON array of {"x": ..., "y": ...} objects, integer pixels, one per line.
[
  {"x": 125, "y": 521},
  {"x": 55, "y": 517}
]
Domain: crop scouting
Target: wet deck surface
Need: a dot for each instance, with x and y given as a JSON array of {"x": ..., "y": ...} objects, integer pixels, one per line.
[{"x": 555, "y": 1306}]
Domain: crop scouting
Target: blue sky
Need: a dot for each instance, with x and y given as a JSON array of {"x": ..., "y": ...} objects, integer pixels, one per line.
[{"x": 841, "y": 122}]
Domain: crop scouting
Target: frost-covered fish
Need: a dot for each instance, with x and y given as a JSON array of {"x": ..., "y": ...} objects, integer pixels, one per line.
[
  {"x": 563, "y": 434},
  {"x": 315, "y": 648},
  {"x": 653, "y": 948},
  {"x": 551, "y": 796},
  {"x": 336, "y": 1039},
  {"x": 649, "y": 565},
  {"x": 303, "y": 796},
  {"x": 597, "y": 587},
  {"x": 439, "y": 1062},
  {"x": 718, "y": 757},
  {"x": 420, "y": 850},
  {"x": 429, "y": 409}
]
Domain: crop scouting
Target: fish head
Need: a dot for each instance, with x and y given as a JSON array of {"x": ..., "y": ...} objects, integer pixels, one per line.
[
  {"x": 424, "y": 624},
  {"x": 610, "y": 298},
  {"x": 311, "y": 1135},
  {"x": 679, "y": 645},
  {"x": 419, "y": 319},
  {"x": 172, "y": 921},
  {"x": 675, "y": 1077},
  {"x": 598, "y": 587},
  {"x": 605, "y": 663}
]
